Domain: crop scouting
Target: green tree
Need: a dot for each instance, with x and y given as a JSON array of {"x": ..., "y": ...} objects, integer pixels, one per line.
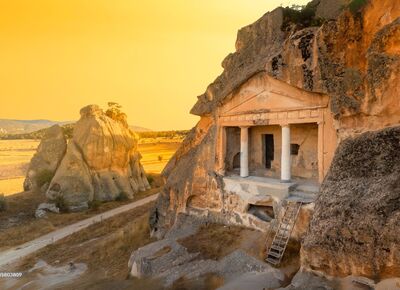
[{"x": 114, "y": 112}]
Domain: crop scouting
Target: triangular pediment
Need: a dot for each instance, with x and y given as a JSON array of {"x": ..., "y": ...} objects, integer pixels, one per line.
[{"x": 270, "y": 95}]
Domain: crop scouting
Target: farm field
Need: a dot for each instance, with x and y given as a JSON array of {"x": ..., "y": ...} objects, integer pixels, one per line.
[{"x": 15, "y": 156}]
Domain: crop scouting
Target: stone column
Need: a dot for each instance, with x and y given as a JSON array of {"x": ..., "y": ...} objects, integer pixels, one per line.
[
  {"x": 244, "y": 151},
  {"x": 285, "y": 157}
]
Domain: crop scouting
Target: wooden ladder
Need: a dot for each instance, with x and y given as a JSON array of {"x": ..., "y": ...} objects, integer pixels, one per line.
[{"x": 282, "y": 233}]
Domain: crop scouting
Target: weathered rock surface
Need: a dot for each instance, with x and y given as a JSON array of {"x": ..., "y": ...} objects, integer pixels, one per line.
[
  {"x": 169, "y": 261},
  {"x": 354, "y": 58},
  {"x": 101, "y": 162},
  {"x": 47, "y": 158},
  {"x": 330, "y": 10},
  {"x": 356, "y": 223},
  {"x": 308, "y": 281},
  {"x": 45, "y": 207}
]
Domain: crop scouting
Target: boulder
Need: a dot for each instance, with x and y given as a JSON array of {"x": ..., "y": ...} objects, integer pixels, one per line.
[
  {"x": 40, "y": 213},
  {"x": 46, "y": 159},
  {"x": 356, "y": 223},
  {"x": 101, "y": 161},
  {"x": 46, "y": 207}
]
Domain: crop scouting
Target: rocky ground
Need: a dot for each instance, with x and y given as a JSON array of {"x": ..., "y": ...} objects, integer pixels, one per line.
[
  {"x": 195, "y": 251},
  {"x": 193, "y": 255}
]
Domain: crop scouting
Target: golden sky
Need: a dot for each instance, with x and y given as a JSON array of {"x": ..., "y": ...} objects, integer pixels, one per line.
[{"x": 153, "y": 57}]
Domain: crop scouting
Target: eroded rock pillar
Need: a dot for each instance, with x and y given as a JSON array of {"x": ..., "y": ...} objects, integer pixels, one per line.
[
  {"x": 285, "y": 157},
  {"x": 244, "y": 151}
]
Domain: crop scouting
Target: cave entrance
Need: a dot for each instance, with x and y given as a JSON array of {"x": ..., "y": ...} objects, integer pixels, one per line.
[
  {"x": 236, "y": 161},
  {"x": 263, "y": 212},
  {"x": 232, "y": 149}
]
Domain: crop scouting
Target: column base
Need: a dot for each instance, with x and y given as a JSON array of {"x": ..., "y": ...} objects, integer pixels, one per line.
[{"x": 286, "y": 181}]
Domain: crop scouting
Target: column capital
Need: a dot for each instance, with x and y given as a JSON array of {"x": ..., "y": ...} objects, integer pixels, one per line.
[
  {"x": 284, "y": 124},
  {"x": 244, "y": 127}
]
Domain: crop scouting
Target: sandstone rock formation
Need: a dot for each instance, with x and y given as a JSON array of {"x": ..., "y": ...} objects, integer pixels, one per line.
[
  {"x": 101, "y": 162},
  {"x": 47, "y": 158},
  {"x": 354, "y": 58},
  {"x": 356, "y": 223}
]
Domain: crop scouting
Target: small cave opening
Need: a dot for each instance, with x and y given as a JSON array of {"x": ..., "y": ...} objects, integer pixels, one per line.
[
  {"x": 263, "y": 212},
  {"x": 236, "y": 161}
]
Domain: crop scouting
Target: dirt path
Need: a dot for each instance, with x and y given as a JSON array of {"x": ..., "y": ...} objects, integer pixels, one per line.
[{"x": 28, "y": 248}]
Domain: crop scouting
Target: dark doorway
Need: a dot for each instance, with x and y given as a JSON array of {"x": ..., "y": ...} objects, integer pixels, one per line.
[
  {"x": 269, "y": 150},
  {"x": 236, "y": 161}
]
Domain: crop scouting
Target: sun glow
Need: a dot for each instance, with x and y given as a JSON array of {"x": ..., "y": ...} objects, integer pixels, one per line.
[{"x": 152, "y": 57}]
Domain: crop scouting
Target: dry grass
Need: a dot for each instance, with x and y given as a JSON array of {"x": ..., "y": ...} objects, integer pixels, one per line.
[
  {"x": 151, "y": 152},
  {"x": 101, "y": 246},
  {"x": 214, "y": 241},
  {"x": 14, "y": 156},
  {"x": 11, "y": 186},
  {"x": 209, "y": 281},
  {"x": 17, "y": 151},
  {"x": 26, "y": 227},
  {"x": 105, "y": 248}
]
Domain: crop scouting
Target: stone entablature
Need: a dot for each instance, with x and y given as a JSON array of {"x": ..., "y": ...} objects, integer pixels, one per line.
[
  {"x": 263, "y": 101},
  {"x": 289, "y": 116}
]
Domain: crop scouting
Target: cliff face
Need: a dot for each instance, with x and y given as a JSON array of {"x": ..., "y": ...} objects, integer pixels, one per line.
[
  {"x": 101, "y": 162},
  {"x": 356, "y": 223},
  {"x": 353, "y": 57}
]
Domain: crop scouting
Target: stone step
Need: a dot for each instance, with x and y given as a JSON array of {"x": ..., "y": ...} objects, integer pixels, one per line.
[
  {"x": 308, "y": 188},
  {"x": 301, "y": 195}
]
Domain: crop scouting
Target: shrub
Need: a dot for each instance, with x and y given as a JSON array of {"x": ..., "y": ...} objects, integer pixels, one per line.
[
  {"x": 166, "y": 134},
  {"x": 122, "y": 196},
  {"x": 160, "y": 158},
  {"x": 150, "y": 179},
  {"x": 61, "y": 204},
  {"x": 3, "y": 203},
  {"x": 303, "y": 16},
  {"x": 356, "y": 5},
  {"x": 43, "y": 177},
  {"x": 94, "y": 204}
]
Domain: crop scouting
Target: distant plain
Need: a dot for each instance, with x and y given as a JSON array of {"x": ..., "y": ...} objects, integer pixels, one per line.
[{"x": 15, "y": 156}]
